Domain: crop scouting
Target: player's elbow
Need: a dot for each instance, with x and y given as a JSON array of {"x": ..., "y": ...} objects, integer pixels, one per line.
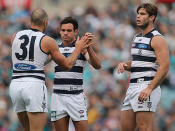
[
  {"x": 97, "y": 66},
  {"x": 167, "y": 66},
  {"x": 67, "y": 67}
]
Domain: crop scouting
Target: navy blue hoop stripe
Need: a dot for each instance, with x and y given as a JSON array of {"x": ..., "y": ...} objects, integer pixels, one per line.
[
  {"x": 29, "y": 71},
  {"x": 77, "y": 69},
  {"x": 66, "y": 81},
  {"x": 33, "y": 76}
]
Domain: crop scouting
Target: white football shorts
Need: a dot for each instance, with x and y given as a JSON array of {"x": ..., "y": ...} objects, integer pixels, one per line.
[
  {"x": 30, "y": 96},
  {"x": 72, "y": 105},
  {"x": 131, "y": 100}
]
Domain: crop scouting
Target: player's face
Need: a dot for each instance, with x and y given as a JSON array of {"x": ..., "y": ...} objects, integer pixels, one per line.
[
  {"x": 67, "y": 33},
  {"x": 142, "y": 18}
]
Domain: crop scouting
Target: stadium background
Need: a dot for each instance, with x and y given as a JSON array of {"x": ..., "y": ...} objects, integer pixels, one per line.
[{"x": 113, "y": 23}]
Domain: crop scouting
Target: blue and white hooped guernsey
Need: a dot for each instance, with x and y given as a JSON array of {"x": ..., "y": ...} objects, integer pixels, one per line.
[
  {"x": 27, "y": 56},
  {"x": 144, "y": 65},
  {"x": 69, "y": 82}
]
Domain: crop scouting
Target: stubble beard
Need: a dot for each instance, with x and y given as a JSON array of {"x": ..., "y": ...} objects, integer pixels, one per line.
[
  {"x": 144, "y": 26},
  {"x": 68, "y": 41}
]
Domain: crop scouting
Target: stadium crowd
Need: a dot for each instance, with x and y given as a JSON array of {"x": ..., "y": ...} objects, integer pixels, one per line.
[{"x": 114, "y": 28}]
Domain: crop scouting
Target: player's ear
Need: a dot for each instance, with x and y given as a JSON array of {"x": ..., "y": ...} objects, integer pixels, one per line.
[
  {"x": 152, "y": 18},
  {"x": 45, "y": 22},
  {"x": 76, "y": 31}
]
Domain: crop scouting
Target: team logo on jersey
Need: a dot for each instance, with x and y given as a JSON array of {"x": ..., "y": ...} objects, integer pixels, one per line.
[
  {"x": 22, "y": 66},
  {"x": 149, "y": 104},
  {"x": 140, "y": 52}
]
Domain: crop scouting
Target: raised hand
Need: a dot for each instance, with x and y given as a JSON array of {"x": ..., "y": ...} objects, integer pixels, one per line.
[
  {"x": 90, "y": 38},
  {"x": 82, "y": 43}
]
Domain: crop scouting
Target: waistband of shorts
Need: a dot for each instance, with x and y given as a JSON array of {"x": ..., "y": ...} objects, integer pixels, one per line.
[
  {"x": 68, "y": 87},
  {"x": 141, "y": 79},
  {"x": 76, "y": 92},
  {"x": 29, "y": 76}
]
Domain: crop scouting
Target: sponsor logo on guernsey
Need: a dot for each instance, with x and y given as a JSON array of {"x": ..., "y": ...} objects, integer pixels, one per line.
[
  {"x": 66, "y": 49},
  {"x": 142, "y": 46},
  {"x": 22, "y": 66}
]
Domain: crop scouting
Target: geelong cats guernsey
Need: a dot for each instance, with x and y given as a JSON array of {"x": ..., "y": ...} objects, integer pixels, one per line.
[
  {"x": 69, "y": 82},
  {"x": 27, "y": 57},
  {"x": 144, "y": 65}
]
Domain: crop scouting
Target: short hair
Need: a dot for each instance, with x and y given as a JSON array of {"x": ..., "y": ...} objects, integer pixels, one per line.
[
  {"x": 38, "y": 16},
  {"x": 71, "y": 20},
  {"x": 150, "y": 9}
]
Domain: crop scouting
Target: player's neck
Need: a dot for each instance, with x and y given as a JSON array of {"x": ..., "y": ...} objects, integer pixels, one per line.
[
  {"x": 68, "y": 43},
  {"x": 37, "y": 27},
  {"x": 147, "y": 29}
]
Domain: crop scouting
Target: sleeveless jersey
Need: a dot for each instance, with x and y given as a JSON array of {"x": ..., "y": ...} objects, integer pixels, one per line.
[
  {"x": 144, "y": 65},
  {"x": 27, "y": 57},
  {"x": 72, "y": 79}
]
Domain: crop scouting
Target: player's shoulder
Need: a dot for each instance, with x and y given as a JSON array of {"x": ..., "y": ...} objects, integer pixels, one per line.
[
  {"x": 22, "y": 31},
  {"x": 17, "y": 34},
  {"x": 48, "y": 39},
  {"x": 157, "y": 36},
  {"x": 156, "y": 33},
  {"x": 158, "y": 41}
]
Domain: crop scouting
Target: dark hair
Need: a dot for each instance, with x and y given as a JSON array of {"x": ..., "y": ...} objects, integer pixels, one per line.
[
  {"x": 38, "y": 16},
  {"x": 71, "y": 20},
  {"x": 150, "y": 9}
]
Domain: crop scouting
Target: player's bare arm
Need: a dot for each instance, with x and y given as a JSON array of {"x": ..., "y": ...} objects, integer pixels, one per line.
[
  {"x": 162, "y": 54},
  {"x": 89, "y": 53},
  {"x": 50, "y": 46},
  {"x": 93, "y": 58}
]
